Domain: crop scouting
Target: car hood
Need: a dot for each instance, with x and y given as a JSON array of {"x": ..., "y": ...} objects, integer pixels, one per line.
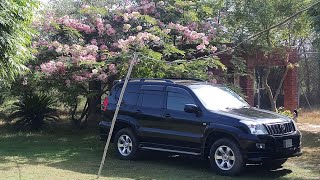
[{"x": 254, "y": 114}]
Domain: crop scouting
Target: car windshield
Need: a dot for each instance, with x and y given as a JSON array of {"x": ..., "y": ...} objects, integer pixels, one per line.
[{"x": 218, "y": 98}]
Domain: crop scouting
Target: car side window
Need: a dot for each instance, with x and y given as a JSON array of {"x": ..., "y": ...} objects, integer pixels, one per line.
[
  {"x": 177, "y": 101},
  {"x": 152, "y": 99}
]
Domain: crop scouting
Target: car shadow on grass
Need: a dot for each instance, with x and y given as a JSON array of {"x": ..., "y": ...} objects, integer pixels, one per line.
[{"x": 81, "y": 152}]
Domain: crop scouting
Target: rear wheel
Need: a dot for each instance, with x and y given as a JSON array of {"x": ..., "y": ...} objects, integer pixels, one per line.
[
  {"x": 273, "y": 164},
  {"x": 126, "y": 144},
  {"x": 226, "y": 158}
]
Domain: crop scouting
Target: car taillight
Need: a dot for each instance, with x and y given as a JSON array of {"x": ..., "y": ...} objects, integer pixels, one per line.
[{"x": 105, "y": 103}]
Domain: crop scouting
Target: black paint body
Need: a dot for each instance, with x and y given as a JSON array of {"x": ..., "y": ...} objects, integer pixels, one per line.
[{"x": 192, "y": 133}]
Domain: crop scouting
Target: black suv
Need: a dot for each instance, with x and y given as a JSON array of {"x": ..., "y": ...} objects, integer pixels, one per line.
[{"x": 188, "y": 116}]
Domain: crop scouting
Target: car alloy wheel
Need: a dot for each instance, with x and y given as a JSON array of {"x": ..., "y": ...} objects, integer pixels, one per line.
[
  {"x": 224, "y": 157},
  {"x": 124, "y": 145}
]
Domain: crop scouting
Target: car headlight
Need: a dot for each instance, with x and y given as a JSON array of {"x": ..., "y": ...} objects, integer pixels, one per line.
[{"x": 255, "y": 128}]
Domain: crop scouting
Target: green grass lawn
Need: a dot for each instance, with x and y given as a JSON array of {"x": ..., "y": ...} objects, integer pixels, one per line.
[{"x": 76, "y": 154}]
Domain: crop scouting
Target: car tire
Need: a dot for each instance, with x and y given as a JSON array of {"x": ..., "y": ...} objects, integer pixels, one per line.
[
  {"x": 226, "y": 158},
  {"x": 126, "y": 144},
  {"x": 273, "y": 164}
]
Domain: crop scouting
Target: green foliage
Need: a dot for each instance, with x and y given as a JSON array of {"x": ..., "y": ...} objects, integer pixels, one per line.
[
  {"x": 284, "y": 112},
  {"x": 247, "y": 18},
  {"x": 15, "y": 36},
  {"x": 33, "y": 110}
]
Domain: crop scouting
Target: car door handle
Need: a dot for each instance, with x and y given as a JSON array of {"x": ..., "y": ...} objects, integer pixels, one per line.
[
  {"x": 167, "y": 115},
  {"x": 138, "y": 111}
]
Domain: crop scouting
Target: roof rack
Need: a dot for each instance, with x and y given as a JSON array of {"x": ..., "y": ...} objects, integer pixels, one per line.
[
  {"x": 193, "y": 79},
  {"x": 168, "y": 80}
]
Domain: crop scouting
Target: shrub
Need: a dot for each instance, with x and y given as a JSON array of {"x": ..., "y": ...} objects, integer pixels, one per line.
[
  {"x": 284, "y": 112},
  {"x": 33, "y": 110}
]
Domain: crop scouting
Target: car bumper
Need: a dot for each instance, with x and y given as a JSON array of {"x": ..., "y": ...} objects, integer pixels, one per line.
[{"x": 268, "y": 147}]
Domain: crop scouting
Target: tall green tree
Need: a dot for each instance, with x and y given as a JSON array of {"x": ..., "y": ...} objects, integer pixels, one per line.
[
  {"x": 15, "y": 36},
  {"x": 246, "y": 18}
]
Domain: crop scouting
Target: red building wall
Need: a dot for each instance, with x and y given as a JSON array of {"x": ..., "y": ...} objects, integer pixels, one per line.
[{"x": 259, "y": 60}]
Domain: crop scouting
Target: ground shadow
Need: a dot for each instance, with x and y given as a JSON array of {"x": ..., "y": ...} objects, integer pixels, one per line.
[{"x": 81, "y": 151}]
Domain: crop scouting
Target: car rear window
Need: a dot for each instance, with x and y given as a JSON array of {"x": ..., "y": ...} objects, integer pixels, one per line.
[{"x": 130, "y": 96}]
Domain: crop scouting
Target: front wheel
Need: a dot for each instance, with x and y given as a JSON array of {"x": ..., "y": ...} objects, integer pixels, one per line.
[
  {"x": 126, "y": 144},
  {"x": 226, "y": 158}
]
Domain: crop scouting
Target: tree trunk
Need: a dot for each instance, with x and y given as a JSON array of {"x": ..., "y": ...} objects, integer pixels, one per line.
[
  {"x": 94, "y": 103},
  {"x": 268, "y": 89}
]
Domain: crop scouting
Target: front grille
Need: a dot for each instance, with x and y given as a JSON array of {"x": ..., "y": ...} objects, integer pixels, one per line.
[{"x": 280, "y": 128}]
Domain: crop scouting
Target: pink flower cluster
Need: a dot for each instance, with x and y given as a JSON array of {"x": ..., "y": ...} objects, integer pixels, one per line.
[
  {"x": 52, "y": 67},
  {"x": 139, "y": 40},
  {"x": 100, "y": 26},
  {"x": 110, "y": 30},
  {"x": 128, "y": 16},
  {"x": 75, "y": 24},
  {"x": 147, "y": 7},
  {"x": 191, "y": 36},
  {"x": 79, "y": 53},
  {"x": 79, "y": 78},
  {"x": 102, "y": 77},
  {"x": 112, "y": 68}
]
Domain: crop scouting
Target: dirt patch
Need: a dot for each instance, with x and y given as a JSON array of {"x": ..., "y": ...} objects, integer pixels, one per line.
[{"x": 314, "y": 128}]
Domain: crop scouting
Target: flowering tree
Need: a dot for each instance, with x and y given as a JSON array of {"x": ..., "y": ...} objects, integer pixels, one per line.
[{"x": 97, "y": 45}]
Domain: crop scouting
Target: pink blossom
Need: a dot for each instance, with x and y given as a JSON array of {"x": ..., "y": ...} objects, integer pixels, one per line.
[
  {"x": 139, "y": 28},
  {"x": 102, "y": 77},
  {"x": 110, "y": 31},
  {"x": 100, "y": 26},
  {"x": 68, "y": 82},
  {"x": 73, "y": 23},
  {"x": 126, "y": 27},
  {"x": 103, "y": 57},
  {"x": 59, "y": 50},
  {"x": 201, "y": 47},
  {"x": 117, "y": 18},
  {"x": 79, "y": 78},
  {"x": 126, "y": 17},
  {"x": 160, "y": 3},
  {"x": 213, "y": 49},
  {"x": 103, "y": 47},
  {"x": 92, "y": 49},
  {"x": 88, "y": 75},
  {"x": 88, "y": 58},
  {"x": 134, "y": 15},
  {"x": 145, "y": 2},
  {"x": 167, "y": 31},
  {"x": 85, "y": 6},
  {"x": 53, "y": 67},
  {"x": 112, "y": 68},
  {"x": 94, "y": 42},
  {"x": 94, "y": 71}
]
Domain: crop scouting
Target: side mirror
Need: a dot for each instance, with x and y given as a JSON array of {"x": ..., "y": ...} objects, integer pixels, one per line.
[{"x": 191, "y": 108}]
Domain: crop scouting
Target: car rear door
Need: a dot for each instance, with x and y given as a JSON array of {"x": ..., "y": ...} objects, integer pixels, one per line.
[{"x": 148, "y": 112}]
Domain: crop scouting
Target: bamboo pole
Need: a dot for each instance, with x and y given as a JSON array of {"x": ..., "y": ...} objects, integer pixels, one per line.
[{"x": 133, "y": 61}]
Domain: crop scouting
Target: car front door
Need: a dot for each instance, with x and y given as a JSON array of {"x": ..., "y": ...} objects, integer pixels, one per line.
[{"x": 185, "y": 129}]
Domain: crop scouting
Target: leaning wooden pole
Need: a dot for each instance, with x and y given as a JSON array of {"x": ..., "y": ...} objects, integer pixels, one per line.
[{"x": 114, "y": 119}]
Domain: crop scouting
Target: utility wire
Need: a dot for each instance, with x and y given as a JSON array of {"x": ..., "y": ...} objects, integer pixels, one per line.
[{"x": 249, "y": 38}]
